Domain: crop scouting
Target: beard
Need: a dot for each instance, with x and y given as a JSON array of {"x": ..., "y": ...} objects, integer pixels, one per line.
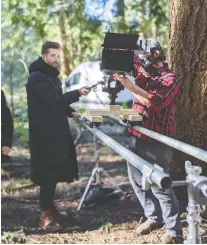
[{"x": 54, "y": 64}]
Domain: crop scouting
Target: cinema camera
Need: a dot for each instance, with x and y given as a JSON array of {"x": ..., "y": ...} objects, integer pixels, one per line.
[{"x": 118, "y": 57}]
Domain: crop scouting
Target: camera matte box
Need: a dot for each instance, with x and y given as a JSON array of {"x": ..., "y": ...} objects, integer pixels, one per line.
[{"x": 120, "y": 41}]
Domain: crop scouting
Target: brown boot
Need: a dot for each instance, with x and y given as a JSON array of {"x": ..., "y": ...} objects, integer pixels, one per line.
[
  {"x": 168, "y": 239},
  {"x": 48, "y": 223},
  {"x": 60, "y": 217},
  {"x": 147, "y": 227}
]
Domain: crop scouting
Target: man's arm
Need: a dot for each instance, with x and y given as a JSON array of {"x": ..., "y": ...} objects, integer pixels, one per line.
[
  {"x": 158, "y": 98},
  {"x": 144, "y": 101},
  {"x": 131, "y": 86},
  {"x": 48, "y": 95}
]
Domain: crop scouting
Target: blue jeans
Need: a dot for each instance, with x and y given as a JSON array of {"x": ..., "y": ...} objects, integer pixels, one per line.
[{"x": 158, "y": 204}]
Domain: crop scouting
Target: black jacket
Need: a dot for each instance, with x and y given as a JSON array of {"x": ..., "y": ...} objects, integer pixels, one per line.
[
  {"x": 7, "y": 127},
  {"x": 53, "y": 155}
]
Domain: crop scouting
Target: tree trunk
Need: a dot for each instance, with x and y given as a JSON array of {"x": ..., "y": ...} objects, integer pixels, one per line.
[
  {"x": 188, "y": 57},
  {"x": 64, "y": 60}
]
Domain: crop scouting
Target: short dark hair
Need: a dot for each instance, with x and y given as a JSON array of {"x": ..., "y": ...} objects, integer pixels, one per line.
[{"x": 49, "y": 44}]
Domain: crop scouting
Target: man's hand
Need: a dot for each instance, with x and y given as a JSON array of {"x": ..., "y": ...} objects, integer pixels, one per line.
[
  {"x": 84, "y": 91},
  {"x": 5, "y": 150},
  {"x": 124, "y": 81},
  {"x": 75, "y": 115},
  {"x": 127, "y": 83}
]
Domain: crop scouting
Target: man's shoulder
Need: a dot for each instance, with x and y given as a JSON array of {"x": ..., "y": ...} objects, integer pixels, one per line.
[
  {"x": 37, "y": 78},
  {"x": 36, "y": 75},
  {"x": 168, "y": 79}
]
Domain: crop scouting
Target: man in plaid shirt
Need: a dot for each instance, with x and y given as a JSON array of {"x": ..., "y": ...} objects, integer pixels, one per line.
[
  {"x": 156, "y": 93},
  {"x": 158, "y": 111}
]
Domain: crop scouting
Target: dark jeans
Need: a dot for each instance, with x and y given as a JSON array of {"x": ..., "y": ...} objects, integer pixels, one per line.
[
  {"x": 158, "y": 204},
  {"x": 47, "y": 193}
]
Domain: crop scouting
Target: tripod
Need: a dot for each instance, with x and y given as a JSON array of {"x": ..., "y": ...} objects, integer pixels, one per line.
[{"x": 95, "y": 178}]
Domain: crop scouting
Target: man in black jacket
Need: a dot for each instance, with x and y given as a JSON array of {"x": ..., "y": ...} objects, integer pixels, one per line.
[
  {"x": 53, "y": 155},
  {"x": 7, "y": 129}
]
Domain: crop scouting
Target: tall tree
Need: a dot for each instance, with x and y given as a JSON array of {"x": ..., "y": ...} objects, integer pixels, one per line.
[
  {"x": 61, "y": 18},
  {"x": 188, "y": 56}
]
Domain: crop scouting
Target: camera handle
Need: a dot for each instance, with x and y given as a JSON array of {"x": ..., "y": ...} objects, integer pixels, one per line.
[{"x": 93, "y": 87}]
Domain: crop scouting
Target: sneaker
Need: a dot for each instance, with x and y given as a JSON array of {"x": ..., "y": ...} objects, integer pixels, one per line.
[
  {"x": 47, "y": 223},
  {"x": 168, "y": 239},
  {"x": 147, "y": 227}
]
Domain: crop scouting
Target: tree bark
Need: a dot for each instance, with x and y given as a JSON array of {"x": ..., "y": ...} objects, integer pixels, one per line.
[{"x": 188, "y": 57}]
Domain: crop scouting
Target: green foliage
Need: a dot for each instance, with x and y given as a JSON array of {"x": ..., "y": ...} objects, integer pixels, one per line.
[
  {"x": 149, "y": 18},
  {"x": 124, "y": 105},
  {"x": 21, "y": 135},
  {"x": 14, "y": 237},
  {"x": 183, "y": 215},
  {"x": 80, "y": 111},
  {"x": 14, "y": 184},
  {"x": 26, "y": 24},
  {"x": 106, "y": 227}
]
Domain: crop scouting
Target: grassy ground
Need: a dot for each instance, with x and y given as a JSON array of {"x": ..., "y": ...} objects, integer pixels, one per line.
[{"x": 112, "y": 221}]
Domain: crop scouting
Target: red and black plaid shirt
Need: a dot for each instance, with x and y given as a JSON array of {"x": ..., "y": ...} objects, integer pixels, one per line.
[{"x": 163, "y": 92}]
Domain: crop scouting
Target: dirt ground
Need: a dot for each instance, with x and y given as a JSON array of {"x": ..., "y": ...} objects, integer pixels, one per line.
[{"x": 111, "y": 221}]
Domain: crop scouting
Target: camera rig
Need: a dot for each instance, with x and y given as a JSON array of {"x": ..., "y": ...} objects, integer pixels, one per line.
[{"x": 118, "y": 57}]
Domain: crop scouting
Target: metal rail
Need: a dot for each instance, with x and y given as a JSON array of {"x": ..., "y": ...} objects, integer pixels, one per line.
[
  {"x": 186, "y": 148},
  {"x": 154, "y": 175}
]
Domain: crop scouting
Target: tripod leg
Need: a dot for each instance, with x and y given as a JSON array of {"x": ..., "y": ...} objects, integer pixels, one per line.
[{"x": 87, "y": 189}]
